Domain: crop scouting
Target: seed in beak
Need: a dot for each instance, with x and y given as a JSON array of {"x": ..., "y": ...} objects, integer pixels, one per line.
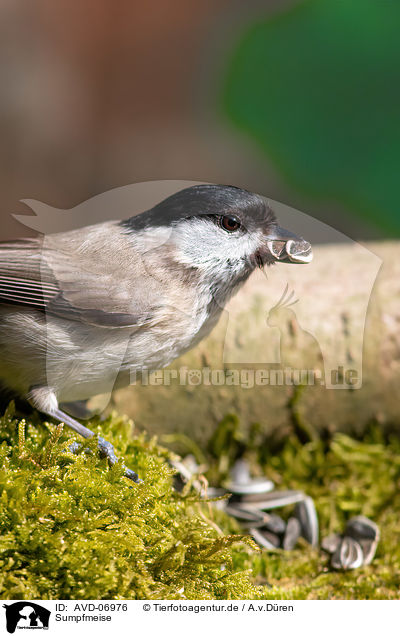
[
  {"x": 291, "y": 251},
  {"x": 299, "y": 251},
  {"x": 277, "y": 248}
]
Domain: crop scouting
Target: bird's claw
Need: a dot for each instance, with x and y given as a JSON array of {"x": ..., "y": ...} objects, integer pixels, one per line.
[
  {"x": 74, "y": 447},
  {"x": 106, "y": 449}
]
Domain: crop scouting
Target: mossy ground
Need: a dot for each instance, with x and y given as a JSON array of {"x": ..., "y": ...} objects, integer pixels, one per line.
[{"x": 71, "y": 527}]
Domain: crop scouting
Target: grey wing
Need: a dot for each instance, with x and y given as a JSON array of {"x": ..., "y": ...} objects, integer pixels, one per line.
[
  {"x": 22, "y": 279},
  {"x": 36, "y": 276}
]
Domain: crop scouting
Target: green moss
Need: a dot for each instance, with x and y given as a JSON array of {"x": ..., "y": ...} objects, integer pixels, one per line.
[{"x": 71, "y": 527}]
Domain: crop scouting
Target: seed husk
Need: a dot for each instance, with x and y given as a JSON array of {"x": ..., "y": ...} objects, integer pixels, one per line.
[
  {"x": 307, "y": 515},
  {"x": 276, "y": 499},
  {"x": 331, "y": 543},
  {"x": 366, "y": 533},
  {"x": 348, "y": 555},
  {"x": 265, "y": 539},
  {"x": 292, "y": 534},
  {"x": 246, "y": 514}
]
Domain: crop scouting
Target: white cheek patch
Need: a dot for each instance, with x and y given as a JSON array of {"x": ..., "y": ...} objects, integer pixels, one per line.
[{"x": 203, "y": 244}]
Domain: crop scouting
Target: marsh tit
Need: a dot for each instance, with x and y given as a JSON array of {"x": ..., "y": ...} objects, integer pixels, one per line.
[{"x": 80, "y": 311}]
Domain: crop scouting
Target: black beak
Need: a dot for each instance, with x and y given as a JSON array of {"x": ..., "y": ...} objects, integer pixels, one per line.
[{"x": 287, "y": 247}]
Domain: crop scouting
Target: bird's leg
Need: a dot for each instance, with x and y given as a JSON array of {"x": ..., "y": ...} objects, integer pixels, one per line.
[
  {"x": 77, "y": 409},
  {"x": 106, "y": 449},
  {"x": 45, "y": 401}
]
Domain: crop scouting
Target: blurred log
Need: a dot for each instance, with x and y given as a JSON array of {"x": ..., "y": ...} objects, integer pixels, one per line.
[{"x": 324, "y": 332}]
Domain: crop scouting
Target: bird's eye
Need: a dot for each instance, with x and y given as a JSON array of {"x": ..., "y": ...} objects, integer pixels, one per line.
[{"x": 229, "y": 223}]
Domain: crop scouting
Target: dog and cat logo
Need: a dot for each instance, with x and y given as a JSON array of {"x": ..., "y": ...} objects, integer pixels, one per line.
[{"x": 26, "y": 615}]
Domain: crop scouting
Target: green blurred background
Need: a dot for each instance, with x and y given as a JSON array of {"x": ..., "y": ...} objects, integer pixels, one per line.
[
  {"x": 296, "y": 100},
  {"x": 317, "y": 88}
]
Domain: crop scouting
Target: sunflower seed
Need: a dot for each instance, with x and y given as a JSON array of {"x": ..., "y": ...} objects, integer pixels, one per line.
[
  {"x": 257, "y": 485},
  {"x": 274, "y": 499},
  {"x": 274, "y": 523},
  {"x": 368, "y": 548},
  {"x": 307, "y": 515},
  {"x": 240, "y": 472},
  {"x": 241, "y": 482},
  {"x": 265, "y": 539},
  {"x": 367, "y": 533},
  {"x": 361, "y": 528},
  {"x": 348, "y": 555},
  {"x": 244, "y": 514},
  {"x": 331, "y": 543},
  {"x": 264, "y": 521},
  {"x": 293, "y": 531}
]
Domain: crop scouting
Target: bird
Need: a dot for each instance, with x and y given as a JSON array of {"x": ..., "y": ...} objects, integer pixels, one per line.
[{"x": 82, "y": 310}]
